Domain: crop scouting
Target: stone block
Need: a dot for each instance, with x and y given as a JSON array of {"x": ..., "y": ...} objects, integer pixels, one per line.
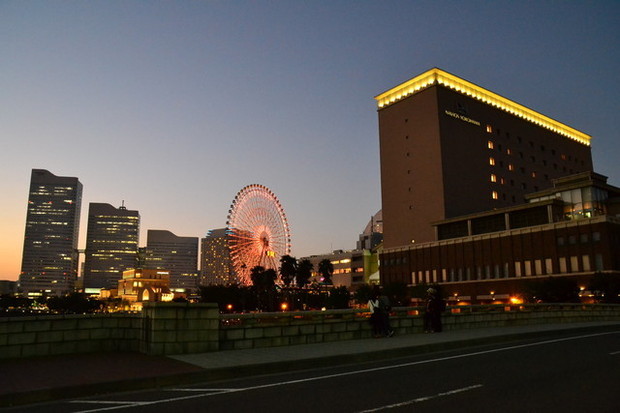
[
  {"x": 331, "y": 336},
  {"x": 323, "y": 328},
  {"x": 164, "y": 337},
  {"x": 75, "y": 335},
  {"x": 22, "y": 338},
  {"x": 346, "y": 335},
  {"x": 339, "y": 327},
  {"x": 273, "y": 332},
  {"x": 37, "y": 325},
  {"x": 35, "y": 350},
  {"x": 49, "y": 336},
  {"x": 187, "y": 336},
  {"x": 14, "y": 326},
  {"x": 89, "y": 323},
  {"x": 64, "y": 347},
  {"x": 210, "y": 336},
  {"x": 354, "y": 326},
  {"x": 233, "y": 334},
  {"x": 299, "y": 339},
  {"x": 255, "y": 332},
  {"x": 100, "y": 333},
  {"x": 173, "y": 348},
  {"x": 89, "y": 346},
  {"x": 290, "y": 331}
]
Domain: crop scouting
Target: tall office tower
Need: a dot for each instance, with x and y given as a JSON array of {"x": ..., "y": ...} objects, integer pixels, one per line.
[
  {"x": 111, "y": 245},
  {"x": 177, "y": 255},
  {"x": 50, "y": 258},
  {"x": 449, "y": 148},
  {"x": 215, "y": 263}
]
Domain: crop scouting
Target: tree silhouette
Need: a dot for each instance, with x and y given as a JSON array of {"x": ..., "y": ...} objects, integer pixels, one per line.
[
  {"x": 288, "y": 269},
  {"x": 304, "y": 272},
  {"x": 326, "y": 269}
]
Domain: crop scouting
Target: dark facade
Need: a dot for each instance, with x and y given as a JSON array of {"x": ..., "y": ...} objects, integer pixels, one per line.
[
  {"x": 111, "y": 245},
  {"x": 449, "y": 148},
  {"x": 571, "y": 230},
  {"x": 50, "y": 258},
  {"x": 177, "y": 255}
]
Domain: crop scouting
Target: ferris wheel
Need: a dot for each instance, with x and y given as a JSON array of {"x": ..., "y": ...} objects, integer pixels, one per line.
[{"x": 258, "y": 233}]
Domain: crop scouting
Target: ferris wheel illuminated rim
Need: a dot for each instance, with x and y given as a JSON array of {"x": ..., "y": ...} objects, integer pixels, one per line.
[{"x": 258, "y": 232}]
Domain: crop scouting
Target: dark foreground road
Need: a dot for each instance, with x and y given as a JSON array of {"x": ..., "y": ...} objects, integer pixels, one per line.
[{"x": 556, "y": 373}]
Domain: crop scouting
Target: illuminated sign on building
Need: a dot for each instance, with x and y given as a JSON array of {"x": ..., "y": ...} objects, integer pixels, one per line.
[{"x": 462, "y": 117}]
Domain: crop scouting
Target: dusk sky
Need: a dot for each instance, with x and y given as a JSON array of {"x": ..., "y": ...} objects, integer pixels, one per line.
[{"x": 175, "y": 106}]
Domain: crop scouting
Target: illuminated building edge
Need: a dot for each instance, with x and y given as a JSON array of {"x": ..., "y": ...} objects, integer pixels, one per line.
[{"x": 440, "y": 77}]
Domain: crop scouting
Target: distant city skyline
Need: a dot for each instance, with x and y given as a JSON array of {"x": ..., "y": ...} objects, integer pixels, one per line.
[{"x": 174, "y": 107}]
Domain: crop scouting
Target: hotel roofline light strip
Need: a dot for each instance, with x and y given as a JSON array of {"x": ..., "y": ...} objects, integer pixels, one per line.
[{"x": 438, "y": 76}]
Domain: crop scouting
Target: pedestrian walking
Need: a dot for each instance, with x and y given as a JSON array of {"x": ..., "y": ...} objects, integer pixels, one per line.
[
  {"x": 434, "y": 305},
  {"x": 376, "y": 316}
]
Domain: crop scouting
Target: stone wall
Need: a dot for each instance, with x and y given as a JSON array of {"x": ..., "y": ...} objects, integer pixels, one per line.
[
  {"x": 68, "y": 334},
  {"x": 176, "y": 328}
]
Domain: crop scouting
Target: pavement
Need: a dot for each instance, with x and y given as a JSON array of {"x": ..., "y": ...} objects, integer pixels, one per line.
[{"x": 33, "y": 380}]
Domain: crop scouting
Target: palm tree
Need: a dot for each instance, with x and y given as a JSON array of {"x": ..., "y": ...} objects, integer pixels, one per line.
[
  {"x": 326, "y": 269},
  {"x": 288, "y": 269},
  {"x": 304, "y": 272}
]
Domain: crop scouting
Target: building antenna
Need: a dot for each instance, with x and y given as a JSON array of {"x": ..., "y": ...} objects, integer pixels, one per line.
[{"x": 122, "y": 205}]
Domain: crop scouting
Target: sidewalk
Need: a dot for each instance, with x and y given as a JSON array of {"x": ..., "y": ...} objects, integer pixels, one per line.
[{"x": 24, "y": 381}]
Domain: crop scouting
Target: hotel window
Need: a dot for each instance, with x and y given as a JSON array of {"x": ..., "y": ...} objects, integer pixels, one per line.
[
  {"x": 598, "y": 262},
  {"x": 528, "y": 267},
  {"x": 494, "y": 195},
  {"x": 574, "y": 263},
  {"x": 585, "y": 261},
  {"x": 493, "y": 178},
  {"x": 548, "y": 265},
  {"x": 538, "y": 267},
  {"x": 533, "y": 174},
  {"x": 508, "y": 151},
  {"x": 502, "y": 181},
  {"x": 562, "y": 261},
  {"x": 511, "y": 167},
  {"x": 489, "y": 128},
  {"x": 490, "y": 145},
  {"x": 491, "y": 161},
  {"x": 583, "y": 238},
  {"x": 596, "y": 236},
  {"x": 517, "y": 268}
]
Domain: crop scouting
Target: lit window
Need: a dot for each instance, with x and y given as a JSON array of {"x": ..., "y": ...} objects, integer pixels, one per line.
[
  {"x": 490, "y": 145},
  {"x": 511, "y": 167},
  {"x": 533, "y": 174},
  {"x": 494, "y": 195},
  {"x": 501, "y": 181},
  {"x": 508, "y": 151},
  {"x": 489, "y": 128},
  {"x": 491, "y": 161},
  {"x": 493, "y": 178}
]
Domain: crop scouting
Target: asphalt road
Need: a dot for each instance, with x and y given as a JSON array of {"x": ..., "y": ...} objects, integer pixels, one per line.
[{"x": 556, "y": 373}]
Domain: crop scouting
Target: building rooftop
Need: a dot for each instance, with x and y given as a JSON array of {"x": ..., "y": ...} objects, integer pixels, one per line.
[{"x": 437, "y": 76}]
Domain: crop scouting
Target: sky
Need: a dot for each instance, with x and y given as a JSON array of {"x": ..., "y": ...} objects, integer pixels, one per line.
[{"x": 174, "y": 106}]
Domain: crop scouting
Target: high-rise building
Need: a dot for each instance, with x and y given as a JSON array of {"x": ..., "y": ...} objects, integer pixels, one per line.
[
  {"x": 111, "y": 245},
  {"x": 215, "y": 262},
  {"x": 50, "y": 258},
  {"x": 177, "y": 255},
  {"x": 482, "y": 195},
  {"x": 449, "y": 148}
]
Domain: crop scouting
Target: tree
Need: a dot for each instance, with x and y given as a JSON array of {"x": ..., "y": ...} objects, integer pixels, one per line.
[
  {"x": 339, "y": 298},
  {"x": 326, "y": 269},
  {"x": 288, "y": 269},
  {"x": 74, "y": 303},
  {"x": 553, "y": 290},
  {"x": 304, "y": 272}
]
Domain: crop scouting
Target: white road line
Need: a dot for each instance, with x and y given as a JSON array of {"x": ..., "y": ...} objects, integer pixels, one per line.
[
  {"x": 614, "y": 353},
  {"x": 107, "y": 402},
  {"x": 350, "y": 373},
  {"x": 422, "y": 399},
  {"x": 204, "y": 390}
]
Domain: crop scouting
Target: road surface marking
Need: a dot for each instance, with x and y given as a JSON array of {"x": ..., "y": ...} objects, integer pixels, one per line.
[
  {"x": 354, "y": 372},
  {"x": 205, "y": 390},
  {"x": 422, "y": 399},
  {"x": 614, "y": 353}
]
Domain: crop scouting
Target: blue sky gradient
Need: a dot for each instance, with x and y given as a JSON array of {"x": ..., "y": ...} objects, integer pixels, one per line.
[{"x": 173, "y": 107}]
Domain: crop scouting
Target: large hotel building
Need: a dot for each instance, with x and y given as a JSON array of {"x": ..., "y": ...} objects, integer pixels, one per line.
[
  {"x": 50, "y": 256},
  {"x": 479, "y": 191}
]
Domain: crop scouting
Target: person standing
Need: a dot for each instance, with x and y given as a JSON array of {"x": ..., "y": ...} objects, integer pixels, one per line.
[{"x": 376, "y": 318}]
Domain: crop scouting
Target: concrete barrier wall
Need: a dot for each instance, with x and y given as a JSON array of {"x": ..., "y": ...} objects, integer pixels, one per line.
[
  {"x": 243, "y": 331},
  {"x": 176, "y": 328},
  {"x": 68, "y": 334}
]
